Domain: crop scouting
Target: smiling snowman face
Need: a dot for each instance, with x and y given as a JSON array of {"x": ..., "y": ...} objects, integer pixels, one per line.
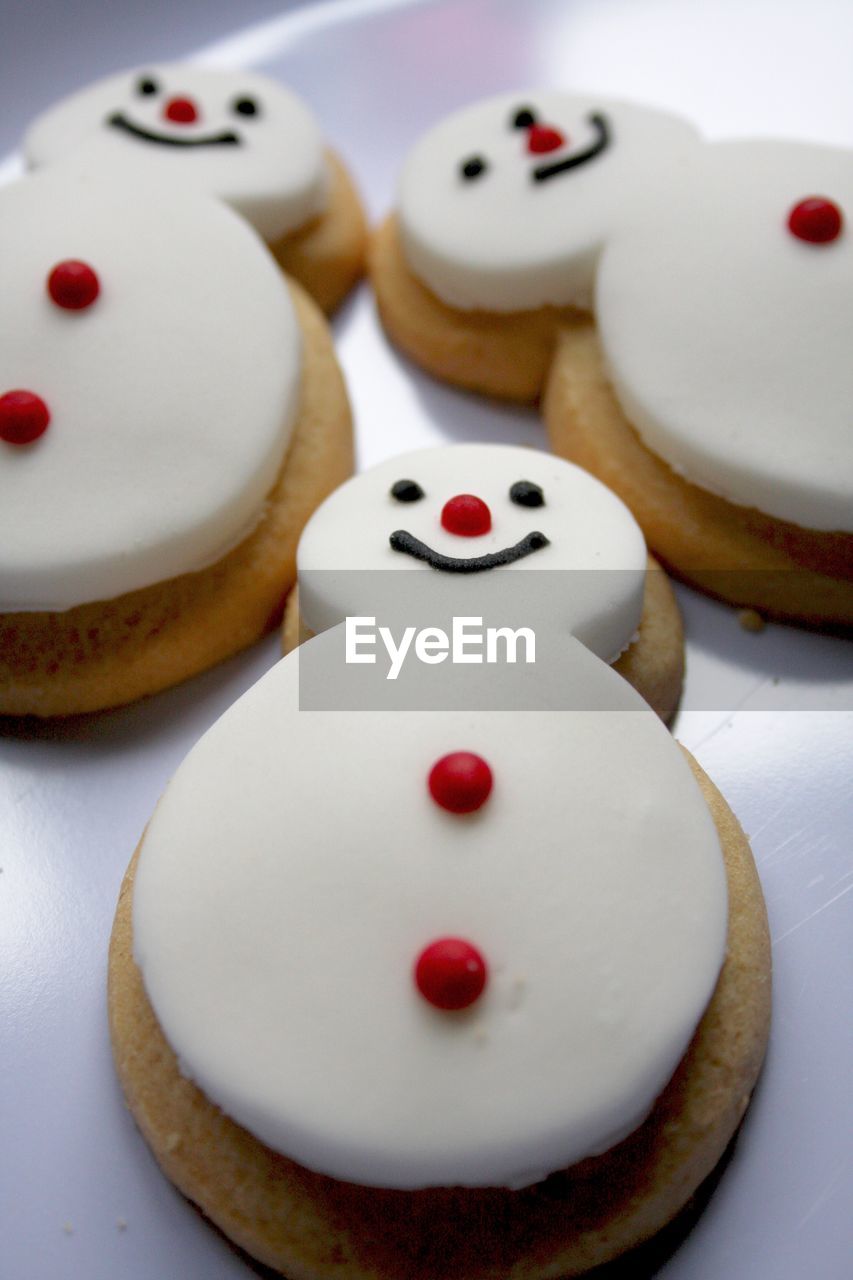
[
  {"x": 459, "y": 519},
  {"x": 125, "y": 363},
  {"x": 506, "y": 204},
  {"x": 419, "y": 948},
  {"x": 234, "y": 134}
]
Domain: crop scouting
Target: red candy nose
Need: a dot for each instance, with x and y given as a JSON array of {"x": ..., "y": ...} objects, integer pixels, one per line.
[
  {"x": 541, "y": 138},
  {"x": 181, "y": 111},
  {"x": 466, "y": 515}
]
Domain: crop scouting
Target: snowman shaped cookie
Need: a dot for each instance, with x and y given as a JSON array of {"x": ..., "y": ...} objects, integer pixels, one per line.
[
  {"x": 374, "y": 973},
  {"x": 471, "y": 527},
  {"x": 155, "y": 377},
  {"x": 716, "y": 395},
  {"x": 503, "y": 210},
  {"x": 237, "y": 135}
]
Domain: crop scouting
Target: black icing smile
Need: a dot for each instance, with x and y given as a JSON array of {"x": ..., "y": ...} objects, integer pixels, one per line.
[
  {"x": 603, "y": 138},
  {"x": 120, "y": 121},
  {"x": 412, "y": 546}
]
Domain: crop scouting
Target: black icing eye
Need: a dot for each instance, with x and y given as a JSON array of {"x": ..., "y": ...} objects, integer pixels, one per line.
[
  {"x": 146, "y": 85},
  {"x": 473, "y": 167},
  {"x": 523, "y": 118},
  {"x": 407, "y": 491},
  {"x": 246, "y": 107},
  {"x": 527, "y": 494}
]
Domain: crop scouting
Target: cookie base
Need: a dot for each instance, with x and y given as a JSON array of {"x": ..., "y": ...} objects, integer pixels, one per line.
[
  {"x": 327, "y": 256},
  {"x": 506, "y": 355},
  {"x": 734, "y": 553},
  {"x": 316, "y": 1228},
  {"x": 111, "y": 652},
  {"x": 653, "y": 663}
]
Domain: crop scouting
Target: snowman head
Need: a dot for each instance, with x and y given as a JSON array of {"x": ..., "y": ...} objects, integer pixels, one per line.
[
  {"x": 234, "y": 134},
  {"x": 467, "y": 524},
  {"x": 505, "y": 205},
  {"x": 125, "y": 362}
]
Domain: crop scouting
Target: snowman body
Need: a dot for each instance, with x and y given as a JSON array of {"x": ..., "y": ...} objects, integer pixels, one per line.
[
  {"x": 726, "y": 316},
  {"x": 432, "y": 947},
  {"x": 140, "y": 472}
]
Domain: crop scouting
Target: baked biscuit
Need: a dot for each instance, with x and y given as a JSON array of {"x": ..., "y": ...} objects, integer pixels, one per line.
[
  {"x": 238, "y": 135},
  {"x": 503, "y": 209},
  {"x": 737, "y": 554},
  {"x": 720, "y": 276},
  {"x": 150, "y": 529},
  {"x": 715, "y": 395},
  {"x": 279, "y": 975},
  {"x": 596, "y": 579}
]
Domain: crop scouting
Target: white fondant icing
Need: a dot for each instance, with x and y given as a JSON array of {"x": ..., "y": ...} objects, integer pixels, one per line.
[
  {"x": 728, "y": 339},
  {"x": 171, "y": 397},
  {"x": 282, "y": 898},
  {"x": 505, "y": 242},
  {"x": 595, "y": 549},
  {"x": 275, "y": 175}
]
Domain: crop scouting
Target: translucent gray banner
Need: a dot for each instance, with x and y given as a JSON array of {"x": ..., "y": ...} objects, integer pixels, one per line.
[{"x": 520, "y": 640}]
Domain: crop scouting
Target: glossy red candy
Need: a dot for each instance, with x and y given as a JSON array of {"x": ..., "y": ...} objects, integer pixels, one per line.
[
  {"x": 466, "y": 515},
  {"x": 460, "y": 782},
  {"x": 181, "y": 111},
  {"x": 541, "y": 139},
  {"x": 816, "y": 219},
  {"x": 450, "y": 973},
  {"x": 23, "y": 417},
  {"x": 73, "y": 285}
]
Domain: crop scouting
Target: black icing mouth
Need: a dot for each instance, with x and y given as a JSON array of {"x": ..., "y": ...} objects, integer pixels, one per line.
[
  {"x": 603, "y": 138},
  {"x": 120, "y": 121},
  {"x": 412, "y": 546}
]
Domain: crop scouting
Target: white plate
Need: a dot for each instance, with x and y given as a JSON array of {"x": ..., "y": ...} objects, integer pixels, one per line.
[{"x": 770, "y": 716}]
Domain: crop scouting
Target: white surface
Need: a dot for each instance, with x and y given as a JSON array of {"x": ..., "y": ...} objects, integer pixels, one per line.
[{"x": 770, "y": 716}]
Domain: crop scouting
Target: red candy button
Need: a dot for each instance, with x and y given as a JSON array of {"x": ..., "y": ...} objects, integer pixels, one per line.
[
  {"x": 541, "y": 138},
  {"x": 450, "y": 973},
  {"x": 816, "y": 220},
  {"x": 73, "y": 285},
  {"x": 181, "y": 111},
  {"x": 23, "y": 417},
  {"x": 466, "y": 515},
  {"x": 460, "y": 782}
]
